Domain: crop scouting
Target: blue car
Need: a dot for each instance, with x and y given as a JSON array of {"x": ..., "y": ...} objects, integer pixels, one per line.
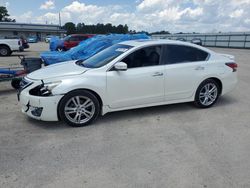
[{"x": 32, "y": 39}]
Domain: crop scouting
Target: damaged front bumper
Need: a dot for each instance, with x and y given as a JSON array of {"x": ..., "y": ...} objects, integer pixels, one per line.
[{"x": 39, "y": 107}]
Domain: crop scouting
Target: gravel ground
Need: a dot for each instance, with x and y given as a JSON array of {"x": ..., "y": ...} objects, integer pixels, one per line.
[{"x": 167, "y": 146}]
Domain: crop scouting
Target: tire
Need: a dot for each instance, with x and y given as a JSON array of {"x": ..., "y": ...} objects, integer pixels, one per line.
[
  {"x": 15, "y": 83},
  {"x": 5, "y": 51},
  {"x": 207, "y": 94},
  {"x": 71, "y": 108}
]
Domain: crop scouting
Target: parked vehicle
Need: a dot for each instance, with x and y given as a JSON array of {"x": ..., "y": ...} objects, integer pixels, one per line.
[
  {"x": 48, "y": 38},
  {"x": 7, "y": 46},
  {"x": 72, "y": 40},
  {"x": 128, "y": 75},
  {"x": 181, "y": 39},
  {"x": 22, "y": 40},
  {"x": 32, "y": 39},
  {"x": 88, "y": 48},
  {"x": 197, "y": 41},
  {"x": 16, "y": 73}
]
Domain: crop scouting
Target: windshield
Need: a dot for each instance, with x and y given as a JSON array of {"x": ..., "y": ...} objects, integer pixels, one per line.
[
  {"x": 67, "y": 38},
  {"x": 104, "y": 57}
]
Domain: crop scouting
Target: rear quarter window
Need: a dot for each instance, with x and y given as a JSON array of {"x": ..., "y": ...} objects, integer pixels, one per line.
[{"x": 184, "y": 54}]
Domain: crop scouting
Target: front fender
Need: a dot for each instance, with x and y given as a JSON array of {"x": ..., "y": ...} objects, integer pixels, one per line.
[{"x": 94, "y": 83}]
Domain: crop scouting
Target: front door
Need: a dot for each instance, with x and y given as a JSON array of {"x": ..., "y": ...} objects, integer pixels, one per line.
[{"x": 141, "y": 84}]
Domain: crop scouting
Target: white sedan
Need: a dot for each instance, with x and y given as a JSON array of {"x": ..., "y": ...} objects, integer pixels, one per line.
[{"x": 132, "y": 74}]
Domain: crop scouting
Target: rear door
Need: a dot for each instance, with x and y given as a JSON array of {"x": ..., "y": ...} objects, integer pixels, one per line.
[{"x": 185, "y": 67}]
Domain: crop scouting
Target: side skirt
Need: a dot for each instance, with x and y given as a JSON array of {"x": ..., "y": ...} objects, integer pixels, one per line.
[{"x": 106, "y": 109}]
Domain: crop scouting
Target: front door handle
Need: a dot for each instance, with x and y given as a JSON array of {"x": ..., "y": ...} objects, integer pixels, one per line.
[{"x": 157, "y": 74}]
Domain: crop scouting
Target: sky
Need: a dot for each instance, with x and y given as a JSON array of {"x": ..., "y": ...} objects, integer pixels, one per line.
[{"x": 147, "y": 15}]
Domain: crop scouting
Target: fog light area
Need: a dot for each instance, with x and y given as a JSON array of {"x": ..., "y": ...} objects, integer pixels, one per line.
[{"x": 36, "y": 111}]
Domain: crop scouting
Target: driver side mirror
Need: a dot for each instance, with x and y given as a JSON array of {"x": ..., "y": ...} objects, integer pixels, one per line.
[{"x": 121, "y": 66}]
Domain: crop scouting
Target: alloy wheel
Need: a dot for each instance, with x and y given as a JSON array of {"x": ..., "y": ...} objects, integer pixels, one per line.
[
  {"x": 79, "y": 109},
  {"x": 208, "y": 94}
]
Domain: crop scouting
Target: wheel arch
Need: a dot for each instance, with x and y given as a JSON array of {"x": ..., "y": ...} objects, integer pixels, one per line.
[
  {"x": 82, "y": 89},
  {"x": 218, "y": 81},
  {"x": 5, "y": 45}
]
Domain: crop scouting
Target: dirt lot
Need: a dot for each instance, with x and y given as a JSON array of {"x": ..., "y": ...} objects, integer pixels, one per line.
[{"x": 167, "y": 146}]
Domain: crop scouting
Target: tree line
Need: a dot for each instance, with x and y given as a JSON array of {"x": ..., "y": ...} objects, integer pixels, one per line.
[
  {"x": 71, "y": 28},
  {"x": 4, "y": 15}
]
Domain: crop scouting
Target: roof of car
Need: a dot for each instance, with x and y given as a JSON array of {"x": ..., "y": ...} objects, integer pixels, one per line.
[
  {"x": 142, "y": 42},
  {"x": 146, "y": 42}
]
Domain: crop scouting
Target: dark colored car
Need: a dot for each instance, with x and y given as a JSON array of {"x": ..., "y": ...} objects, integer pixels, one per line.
[
  {"x": 73, "y": 40},
  {"x": 181, "y": 39},
  {"x": 197, "y": 41}
]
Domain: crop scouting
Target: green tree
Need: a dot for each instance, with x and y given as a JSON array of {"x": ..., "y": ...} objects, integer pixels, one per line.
[
  {"x": 70, "y": 27},
  {"x": 95, "y": 29},
  {"x": 126, "y": 28},
  {"x": 160, "y": 32},
  {"x": 4, "y": 15}
]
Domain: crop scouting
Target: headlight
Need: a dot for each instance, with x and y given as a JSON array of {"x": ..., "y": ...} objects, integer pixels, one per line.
[{"x": 46, "y": 88}]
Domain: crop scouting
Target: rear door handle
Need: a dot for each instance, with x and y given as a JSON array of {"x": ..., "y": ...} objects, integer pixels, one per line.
[
  {"x": 200, "y": 68},
  {"x": 158, "y": 74}
]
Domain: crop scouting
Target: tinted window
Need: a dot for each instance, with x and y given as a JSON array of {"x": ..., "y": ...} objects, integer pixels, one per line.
[
  {"x": 67, "y": 38},
  {"x": 81, "y": 38},
  {"x": 182, "y": 54},
  {"x": 74, "y": 39},
  {"x": 148, "y": 56}
]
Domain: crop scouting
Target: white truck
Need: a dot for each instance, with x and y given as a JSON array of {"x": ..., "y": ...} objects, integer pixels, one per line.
[{"x": 7, "y": 46}]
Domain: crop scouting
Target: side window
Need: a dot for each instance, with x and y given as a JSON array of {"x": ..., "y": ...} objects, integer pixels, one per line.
[
  {"x": 73, "y": 39},
  {"x": 182, "y": 54},
  {"x": 81, "y": 38},
  {"x": 149, "y": 56}
]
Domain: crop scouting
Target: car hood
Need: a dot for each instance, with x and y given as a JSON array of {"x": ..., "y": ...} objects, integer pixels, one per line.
[{"x": 68, "y": 68}]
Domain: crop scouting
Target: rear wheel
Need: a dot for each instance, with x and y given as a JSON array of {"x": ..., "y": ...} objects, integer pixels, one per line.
[
  {"x": 79, "y": 108},
  {"x": 4, "y": 51},
  {"x": 15, "y": 83},
  {"x": 207, "y": 94}
]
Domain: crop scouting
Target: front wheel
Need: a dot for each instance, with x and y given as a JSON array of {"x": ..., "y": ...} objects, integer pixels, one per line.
[
  {"x": 207, "y": 94},
  {"x": 79, "y": 108},
  {"x": 15, "y": 83}
]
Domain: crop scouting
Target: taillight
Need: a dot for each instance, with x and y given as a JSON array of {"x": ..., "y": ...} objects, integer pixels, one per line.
[{"x": 233, "y": 66}]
